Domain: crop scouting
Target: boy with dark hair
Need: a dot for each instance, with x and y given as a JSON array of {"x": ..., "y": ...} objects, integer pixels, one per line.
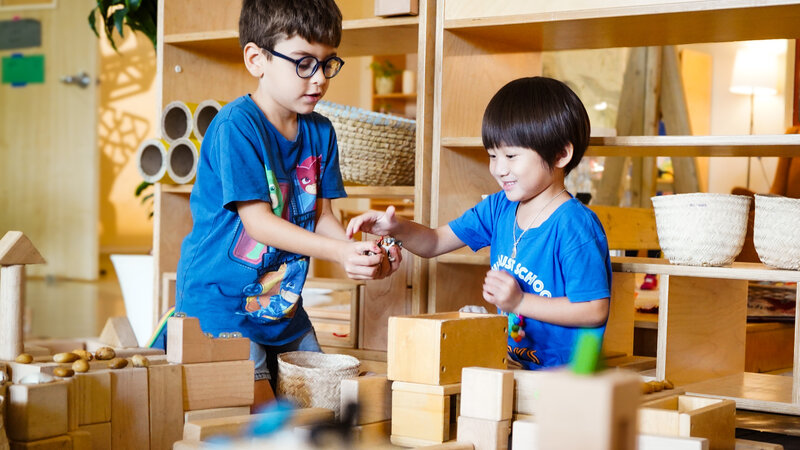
[
  {"x": 550, "y": 264},
  {"x": 261, "y": 203}
]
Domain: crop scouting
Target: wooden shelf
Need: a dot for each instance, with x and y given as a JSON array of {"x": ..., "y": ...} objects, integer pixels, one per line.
[
  {"x": 177, "y": 188},
  {"x": 394, "y": 96},
  {"x": 466, "y": 256},
  {"x": 362, "y": 37},
  {"x": 632, "y": 26},
  {"x": 740, "y": 146},
  {"x": 352, "y": 191},
  {"x": 753, "y": 391}
]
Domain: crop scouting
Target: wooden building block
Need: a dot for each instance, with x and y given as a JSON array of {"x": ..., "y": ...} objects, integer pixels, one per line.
[
  {"x": 372, "y": 433},
  {"x": 485, "y": 434},
  {"x": 450, "y": 445},
  {"x": 130, "y": 428},
  {"x": 118, "y": 332},
  {"x": 202, "y": 430},
  {"x": 36, "y": 350},
  {"x": 527, "y": 384},
  {"x": 487, "y": 393},
  {"x": 123, "y": 352},
  {"x": 433, "y": 348},
  {"x": 19, "y": 371},
  {"x": 81, "y": 440},
  {"x": 100, "y": 434},
  {"x": 372, "y": 393},
  {"x": 58, "y": 345},
  {"x": 213, "y": 413},
  {"x": 36, "y": 411},
  {"x": 218, "y": 384},
  {"x": 165, "y": 384},
  {"x": 647, "y": 442},
  {"x": 93, "y": 396},
  {"x": 602, "y": 406},
  {"x": 524, "y": 434},
  {"x": 689, "y": 416},
  {"x": 424, "y": 412},
  {"x": 62, "y": 442},
  {"x": 186, "y": 344}
]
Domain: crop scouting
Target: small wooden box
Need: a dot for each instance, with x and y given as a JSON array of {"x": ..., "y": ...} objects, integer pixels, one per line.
[
  {"x": 689, "y": 416},
  {"x": 424, "y": 414},
  {"x": 396, "y": 7},
  {"x": 433, "y": 348}
]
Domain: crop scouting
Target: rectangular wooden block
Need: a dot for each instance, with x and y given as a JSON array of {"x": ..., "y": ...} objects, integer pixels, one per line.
[
  {"x": 81, "y": 440},
  {"x": 487, "y": 393},
  {"x": 372, "y": 393},
  {"x": 93, "y": 397},
  {"x": 36, "y": 411},
  {"x": 485, "y": 434},
  {"x": 372, "y": 433},
  {"x": 424, "y": 412},
  {"x": 62, "y": 442},
  {"x": 218, "y": 384},
  {"x": 602, "y": 406},
  {"x": 186, "y": 344},
  {"x": 58, "y": 345},
  {"x": 524, "y": 434},
  {"x": 130, "y": 428},
  {"x": 527, "y": 384},
  {"x": 19, "y": 371},
  {"x": 213, "y": 413},
  {"x": 202, "y": 430},
  {"x": 433, "y": 348},
  {"x": 689, "y": 416},
  {"x": 100, "y": 434},
  {"x": 165, "y": 384},
  {"x": 396, "y": 7}
]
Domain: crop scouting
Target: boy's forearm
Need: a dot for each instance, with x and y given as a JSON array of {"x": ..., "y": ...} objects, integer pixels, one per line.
[
  {"x": 424, "y": 241},
  {"x": 561, "y": 311}
]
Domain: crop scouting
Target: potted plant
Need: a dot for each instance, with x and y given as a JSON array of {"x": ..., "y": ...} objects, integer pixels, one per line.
[
  {"x": 139, "y": 15},
  {"x": 385, "y": 73}
]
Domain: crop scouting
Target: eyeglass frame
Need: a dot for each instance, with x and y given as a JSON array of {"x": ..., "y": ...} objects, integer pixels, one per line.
[{"x": 316, "y": 66}]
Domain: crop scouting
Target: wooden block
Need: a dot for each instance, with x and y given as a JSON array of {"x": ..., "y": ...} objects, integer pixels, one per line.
[
  {"x": 36, "y": 411},
  {"x": 744, "y": 444},
  {"x": 118, "y": 332},
  {"x": 602, "y": 406},
  {"x": 450, "y": 445},
  {"x": 144, "y": 351},
  {"x": 524, "y": 434},
  {"x": 165, "y": 384},
  {"x": 100, "y": 434},
  {"x": 405, "y": 441},
  {"x": 484, "y": 434},
  {"x": 202, "y": 430},
  {"x": 62, "y": 442},
  {"x": 191, "y": 445},
  {"x": 372, "y": 393},
  {"x": 218, "y": 384},
  {"x": 689, "y": 416},
  {"x": 93, "y": 396},
  {"x": 648, "y": 442},
  {"x": 129, "y": 409},
  {"x": 58, "y": 345},
  {"x": 424, "y": 412},
  {"x": 527, "y": 384},
  {"x": 487, "y": 393},
  {"x": 37, "y": 350},
  {"x": 16, "y": 248},
  {"x": 372, "y": 433},
  {"x": 81, "y": 440},
  {"x": 433, "y": 348},
  {"x": 396, "y": 7},
  {"x": 213, "y": 413},
  {"x": 19, "y": 371},
  {"x": 186, "y": 344},
  {"x": 72, "y": 404}
]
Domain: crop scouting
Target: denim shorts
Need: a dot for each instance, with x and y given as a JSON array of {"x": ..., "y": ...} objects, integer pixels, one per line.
[{"x": 265, "y": 357}]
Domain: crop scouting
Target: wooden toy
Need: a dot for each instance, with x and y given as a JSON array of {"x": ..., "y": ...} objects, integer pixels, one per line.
[
  {"x": 451, "y": 445},
  {"x": 524, "y": 434},
  {"x": 186, "y": 344},
  {"x": 124, "y": 352},
  {"x": 217, "y": 385},
  {"x": 92, "y": 397},
  {"x": 485, "y": 434},
  {"x": 372, "y": 393},
  {"x": 213, "y": 413},
  {"x": 16, "y": 250},
  {"x": 202, "y": 430},
  {"x": 423, "y": 414},
  {"x": 433, "y": 348},
  {"x": 165, "y": 385},
  {"x": 118, "y": 332},
  {"x": 129, "y": 409},
  {"x": 81, "y": 440},
  {"x": 62, "y": 442},
  {"x": 36, "y": 411},
  {"x": 689, "y": 416},
  {"x": 18, "y": 371},
  {"x": 100, "y": 434},
  {"x": 487, "y": 393},
  {"x": 57, "y": 345},
  {"x": 372, "y": 433},
  {"x": 527, "y": 384}
]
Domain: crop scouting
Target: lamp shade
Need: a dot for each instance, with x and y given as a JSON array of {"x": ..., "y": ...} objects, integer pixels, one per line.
[{"x": 755, "y": 72}]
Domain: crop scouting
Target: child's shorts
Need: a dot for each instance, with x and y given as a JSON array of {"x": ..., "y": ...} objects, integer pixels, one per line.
[{"x": 265, "y": 357}]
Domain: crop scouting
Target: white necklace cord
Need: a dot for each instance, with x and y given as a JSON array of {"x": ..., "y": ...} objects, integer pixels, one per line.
[{"x": 514, "y": 228}]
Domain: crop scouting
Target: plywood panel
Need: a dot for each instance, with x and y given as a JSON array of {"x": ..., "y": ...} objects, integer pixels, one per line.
[{"x": 462, "y": 177}]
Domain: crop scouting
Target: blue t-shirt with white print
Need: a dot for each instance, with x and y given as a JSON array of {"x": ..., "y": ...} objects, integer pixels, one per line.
[
  {"x": 225, "y": 278},
  {"x": 566, "y": 256}
]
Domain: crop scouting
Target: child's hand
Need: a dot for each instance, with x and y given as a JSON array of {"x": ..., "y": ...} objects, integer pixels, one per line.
[
  {"x": 365, "y": 260},
  {"x": 501, "y": 289},
  {"x": 375, "y": 222}
]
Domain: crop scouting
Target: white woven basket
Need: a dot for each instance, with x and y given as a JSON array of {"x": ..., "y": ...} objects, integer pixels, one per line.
[
  {"x": 701, "y": 229},
  {"x": 312, "y": 379},
  {"x": 776, "y": 232},
  {"x": 374, "y": 149}
]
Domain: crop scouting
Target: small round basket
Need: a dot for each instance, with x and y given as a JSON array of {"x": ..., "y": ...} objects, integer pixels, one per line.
[
  {"x": 313, "y": 379},
  {"x": 776, "y": 231},
  {"x": 701, "y": 229}
]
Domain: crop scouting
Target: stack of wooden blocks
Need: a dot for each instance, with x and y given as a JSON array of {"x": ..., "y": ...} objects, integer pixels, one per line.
[
  {"x": 487, "y": 397},
  {"x": 426, "y": 354}
]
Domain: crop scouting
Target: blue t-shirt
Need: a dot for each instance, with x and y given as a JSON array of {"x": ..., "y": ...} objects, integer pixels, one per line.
[
  {"x": 566, "y": 256},
  {"x": 225, "y": 278}
]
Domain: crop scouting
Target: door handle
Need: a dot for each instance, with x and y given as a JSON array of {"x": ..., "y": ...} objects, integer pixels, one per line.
[{"x": 82, "y": 79}]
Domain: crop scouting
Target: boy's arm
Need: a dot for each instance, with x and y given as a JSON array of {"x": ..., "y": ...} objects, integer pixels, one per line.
[
  {"x": 418, "y": 239},
  {"x": 267, "y": 228}
]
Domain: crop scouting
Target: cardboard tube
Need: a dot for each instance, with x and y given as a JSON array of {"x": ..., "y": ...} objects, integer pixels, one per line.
[
  {"x": 182, "y": 159},
  {"x": 151, "y": 161},
  {"x": 203, "y": 115},
  {"x": 176, "y": 120}
]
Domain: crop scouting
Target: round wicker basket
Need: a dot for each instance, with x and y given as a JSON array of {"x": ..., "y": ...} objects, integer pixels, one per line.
[
  {"x": 312, "y": 379},
  {"x": 701, "y": 229},
  {"x": 776, "y": 234}
]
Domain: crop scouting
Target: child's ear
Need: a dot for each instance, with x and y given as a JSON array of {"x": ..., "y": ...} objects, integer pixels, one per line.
[
  {"x": 565, "y": 157},
  {"x": 254, "y": 59}
]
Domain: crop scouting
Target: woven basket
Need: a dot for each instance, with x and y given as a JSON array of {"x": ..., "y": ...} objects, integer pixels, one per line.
[
  {"x": 374, "y": 149},
  {"x": 776, "y": 232},
  {"x": 701, "y": 229},
  {"x": 313, "y": 379}
]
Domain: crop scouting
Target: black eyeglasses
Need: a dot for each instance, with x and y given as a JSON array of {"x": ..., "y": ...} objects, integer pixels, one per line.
[{"x": 307, "y": 66}]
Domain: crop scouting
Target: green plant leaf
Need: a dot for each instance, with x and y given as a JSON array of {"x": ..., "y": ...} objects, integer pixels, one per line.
[
  {"x": 133, "y": 5},
  {"x": 92, "y": 22},
  {"x": 119, "y": 17},
  {"x": 141, "y": 187}
]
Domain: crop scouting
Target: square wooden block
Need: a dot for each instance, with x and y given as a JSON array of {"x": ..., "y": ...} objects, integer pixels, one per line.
[
  {"x": 372, "y": 394},
  {"x": 217, "y": 385},
  {"x": 92, "y": 397},
  {"x": 187, "y": 344},
  {"x": 689, "y": 416},
  {"x": 36, "y": 411},
  {"x": 487, "y": 393},
  {"x": 433, "y": 348},
  {"x": 484, "y": 434},
  {"x": 425, "y": 413},
  {"x": 527, "y": 384}
]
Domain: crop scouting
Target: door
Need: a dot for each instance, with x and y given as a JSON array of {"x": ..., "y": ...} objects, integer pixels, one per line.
[{"x": 48, "y": 151}]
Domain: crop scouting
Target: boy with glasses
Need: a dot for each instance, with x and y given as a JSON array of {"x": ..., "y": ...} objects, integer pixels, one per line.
[{"x": 261, "y": 203}]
